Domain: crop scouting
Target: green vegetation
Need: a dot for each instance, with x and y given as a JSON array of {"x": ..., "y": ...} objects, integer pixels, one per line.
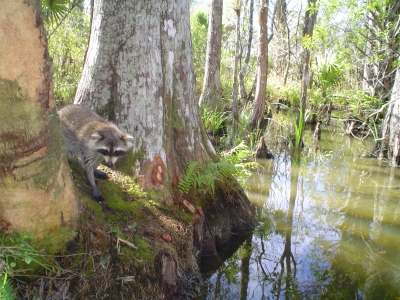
[
  {"x": 68, "y": 32},
  {"x": 338, "y": 61},
  {"x": 203, "y": 177},
  {"x": 336, "y": 90},
  {"x": 335, "y": 84},
  {"x": 299, "y": 129},
  {"x": 18, "y": 257},
  {"x": 214, "y": 120},
  {"x": 108, "y": 232},
  {"x": 6, "y": 291},
  {"x": 198, "y": 24},
  {"x": 235, "y": 163}
]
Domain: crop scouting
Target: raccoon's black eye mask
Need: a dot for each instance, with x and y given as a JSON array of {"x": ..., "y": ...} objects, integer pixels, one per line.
[
  {"x": 103, "y": 151},
  {"x": 119, "y": 153},
  {"x": 107, "y": 153}
]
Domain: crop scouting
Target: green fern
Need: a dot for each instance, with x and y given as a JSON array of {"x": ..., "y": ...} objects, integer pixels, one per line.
[
  {"x": 221, "y": 169},
  {"x": 203, "y": 178},
  {"x": 240, "y": 158},
  {"x": 235, "y": 164},
  {"x": 188, "y": 181}
]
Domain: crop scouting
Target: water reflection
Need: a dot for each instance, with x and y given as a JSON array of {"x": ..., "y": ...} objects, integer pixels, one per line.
[
  {"x": 330, "y": 229},
  {"x": 287, "y": 259}
]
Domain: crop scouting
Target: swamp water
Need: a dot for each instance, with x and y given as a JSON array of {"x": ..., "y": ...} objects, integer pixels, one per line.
[{"x": 330, "y": 228}]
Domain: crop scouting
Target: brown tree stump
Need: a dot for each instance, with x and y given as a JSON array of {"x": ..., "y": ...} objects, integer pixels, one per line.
[{"x": 262, "y": 150}]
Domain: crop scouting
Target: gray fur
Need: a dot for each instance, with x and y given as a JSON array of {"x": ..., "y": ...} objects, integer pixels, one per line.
[{"x": 86, "y": 133}]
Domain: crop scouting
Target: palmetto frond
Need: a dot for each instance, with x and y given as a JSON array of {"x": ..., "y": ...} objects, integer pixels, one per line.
[
  {"x": 329, "y": 71},
  {"x": 54, "y": 10}
]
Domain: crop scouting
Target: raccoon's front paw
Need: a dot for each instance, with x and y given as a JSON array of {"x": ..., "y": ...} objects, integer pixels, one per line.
[
  {"x": 97, "y": 197},
  {"x": 100, "y": 174}
]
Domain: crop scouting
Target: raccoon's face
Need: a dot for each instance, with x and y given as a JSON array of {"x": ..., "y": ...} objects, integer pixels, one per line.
[
  {"x": 111, "y": 155},
  {"x": 112, "y": 146}
]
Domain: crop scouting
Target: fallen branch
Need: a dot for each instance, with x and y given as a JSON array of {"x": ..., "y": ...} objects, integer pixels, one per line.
[{"x": 129, "y": 244}]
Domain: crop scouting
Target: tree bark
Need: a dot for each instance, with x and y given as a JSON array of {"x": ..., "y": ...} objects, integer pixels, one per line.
[
  {"x": 309, "y": 22},
  {"x": 389, "y": 146},
  {"x": 142, "y": 79},
  {"x": 37, "y": 194},
  {"x": 262, "y": 67},
  {"x": 242, "y": 88},
  {"x": 139, "y": 73},
  {"x": 235, "y": 98},
  {"x": 368, "y": 75},
  {"x": 211, "y": 94},
  {"x": 282, "y": 29}
]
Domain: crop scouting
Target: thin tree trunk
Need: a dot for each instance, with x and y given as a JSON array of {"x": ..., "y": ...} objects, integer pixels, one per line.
[
  {"x": 262, "y": 67},
  {"x": 242, "y": 88},
  {"x": 252, "y": 90},
  {"x": 289, "y": 51},
  {"x": 37, "y": 194},
  {"x": 368, "y": 77},
  {"x": 296, "y": 47},
  {"x": 211, "y": 94},
  {"x": 309, "y": 22},
  {"x": 235, "y": 100}
]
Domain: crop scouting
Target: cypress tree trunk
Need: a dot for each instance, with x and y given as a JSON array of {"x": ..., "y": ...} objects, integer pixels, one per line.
[
  {"x": 37, "y": 194},
  {"x": 235, "y": 99},
  {"x": 139, "y": 73},
  {"x": 262, "y": 67},
  {"x": 389, "y": 146},
  {"x": 242, "y": 88},
  {"x": 309, "y": 22},
  {"x": 211, "y": 94}
]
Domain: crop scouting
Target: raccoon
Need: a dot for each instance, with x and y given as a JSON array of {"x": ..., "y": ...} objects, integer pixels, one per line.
[{"x": 93, "y": 140}]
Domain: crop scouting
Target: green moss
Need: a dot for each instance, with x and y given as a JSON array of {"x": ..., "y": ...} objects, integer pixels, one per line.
[
  {"x": 130, "y": 214},
  {"x": 107, "y": 111},
  {"x": 156, "y": 194},
  {"x": 55, "y": 241},
  {"x": 95, "y": 207},
  {"x": 158, "y": 205},
  {"x": 23, "y": 123},
  {"x": 15, "y": 111},
  {"x": 186, "y": 216},
  {"x": 123, "y": 196},
  {"x": 127, "y": 163},
  {"x": 144, "y": 251},
  {"x": 175, "y": 120}
]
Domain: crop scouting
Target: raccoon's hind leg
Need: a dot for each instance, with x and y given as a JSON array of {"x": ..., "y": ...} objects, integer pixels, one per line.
[{"x": 100, "y": 174}]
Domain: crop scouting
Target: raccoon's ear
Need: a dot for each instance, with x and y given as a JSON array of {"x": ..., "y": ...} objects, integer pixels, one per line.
[
  {"x": 96, "y": 136},
  {"x": 128, "y": 140}
]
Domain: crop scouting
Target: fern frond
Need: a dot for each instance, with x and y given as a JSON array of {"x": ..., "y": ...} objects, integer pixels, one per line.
[
  {"x": 204, "y": 177},
  {"x": 190, "y": 176}
]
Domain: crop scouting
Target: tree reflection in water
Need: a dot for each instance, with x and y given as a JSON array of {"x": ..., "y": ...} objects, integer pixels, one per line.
[
  {"x": 274, "y": 274},
  {"x": 330, "y": 229},
  {"x": 287, "y": 257}
]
